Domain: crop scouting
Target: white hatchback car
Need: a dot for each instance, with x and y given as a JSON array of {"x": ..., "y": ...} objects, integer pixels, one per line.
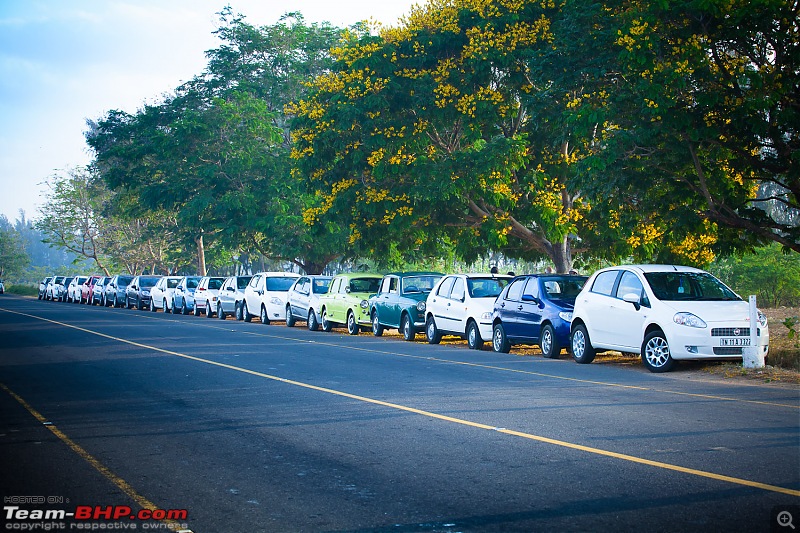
[
  {"x": 206, "y": 295},
  {"x": 266, "y": 295},
  {"x": 462, "y": 304},
  {"x": 302, "y": 300},
  {"x": 162, "y": 294},
  {"x": 664, "y": 313}
]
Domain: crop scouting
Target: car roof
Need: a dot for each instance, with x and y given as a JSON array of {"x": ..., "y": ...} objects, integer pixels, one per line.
[
  {"x": 657, "y": 268},
  {"x": 414, "y": 273},
  {"x": 351, "y": 275}
]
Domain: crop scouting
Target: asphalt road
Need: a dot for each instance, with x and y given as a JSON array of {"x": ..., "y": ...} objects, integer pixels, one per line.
[{"x": 253, "y": 428}]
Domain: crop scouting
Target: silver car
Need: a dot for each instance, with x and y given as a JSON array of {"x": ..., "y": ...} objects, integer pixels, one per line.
[
  {"x": 302, "y": 301},
  {"x": 230, "y": 297},
  {"x": 183, "y": 299}
]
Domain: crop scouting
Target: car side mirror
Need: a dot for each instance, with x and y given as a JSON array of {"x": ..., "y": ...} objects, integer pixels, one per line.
[
  {"x": 230, "y": 289},
  {"x": 633, "y": 298},
  {"x": 530, "y": 298}
]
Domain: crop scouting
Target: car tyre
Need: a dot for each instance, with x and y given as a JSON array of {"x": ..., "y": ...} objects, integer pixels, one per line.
[
  {"x": 327, "y": 325},
  {"x": 377, "y": 327},
  {"x": 289, "y": 317},
  {"x": 264, "y": 317},
  {"x": 209, "y": 310},
  {"x": 655, "y": 353},
  {"x": 581, "y": 346},
  {"x": 220, "y": 313},
  {"x": 140, "y": 305},
  {"x": 237, "y": 310},
  {"x": 407, "y": 328},
  {"x": 474, "y": 339},
  {"x": 152, "y": 305},
  {"x": 500, "y": 342},
  {"x": 246, "y": 316},
  {"x": 185, "y": 308},
  {"x": 352, "y": 325},
  {"x": 312, "y": 323},
  {"x": 432, "y": 333},
  {"x": 548, "y": 342},
  {"x": 196, "y": 310}
]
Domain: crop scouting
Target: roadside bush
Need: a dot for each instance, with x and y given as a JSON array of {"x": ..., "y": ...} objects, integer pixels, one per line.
[
  {"x": 22, "y": 290},
  {"x": 774, "y": 277}
]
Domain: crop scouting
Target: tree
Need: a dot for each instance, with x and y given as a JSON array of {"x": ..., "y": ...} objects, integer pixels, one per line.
[
  {"x": 71, "y": 215},
  {"x": 708, "y": 115},
  {"x": 216, "y": 153},
  {"x": 13, "y": 258}
]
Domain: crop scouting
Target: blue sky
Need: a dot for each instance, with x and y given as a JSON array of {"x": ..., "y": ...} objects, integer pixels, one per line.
[{"x": 65, "y": 61}]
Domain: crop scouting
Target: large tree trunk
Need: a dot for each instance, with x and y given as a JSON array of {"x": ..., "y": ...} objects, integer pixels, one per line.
[{"x": 201, "y": 255}]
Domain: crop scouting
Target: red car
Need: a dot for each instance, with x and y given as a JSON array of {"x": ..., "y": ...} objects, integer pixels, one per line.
[{"x": 86, "y": 289}]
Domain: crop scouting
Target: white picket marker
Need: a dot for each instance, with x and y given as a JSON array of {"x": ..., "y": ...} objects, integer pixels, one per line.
[{"x": 751, "y": 355}]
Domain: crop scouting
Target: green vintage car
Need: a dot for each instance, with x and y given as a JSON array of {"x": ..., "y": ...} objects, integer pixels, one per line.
[
  {"x": 346, "y": 301},
  {"x": 400, "y": 302}
]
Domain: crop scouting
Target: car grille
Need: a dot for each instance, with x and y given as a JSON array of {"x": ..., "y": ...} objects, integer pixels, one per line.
[
  {"x": 732, "y": 332},
  {"x": 727, "y": 351}
]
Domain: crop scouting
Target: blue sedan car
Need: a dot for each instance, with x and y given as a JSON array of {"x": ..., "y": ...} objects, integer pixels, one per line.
[{"x": 535, "y": 309}]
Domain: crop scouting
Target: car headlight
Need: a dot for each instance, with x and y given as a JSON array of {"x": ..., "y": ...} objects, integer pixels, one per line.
[
  {"x": 275, "y": 301},
  {"x": 364, "y": 304},
  {"x": 688, "y": 319},
  {"x": 145, "y": 293},
  {"x": 566, "y": 316},
  {"x": 486, "y": 316},
  {"x": 762, "y": 319},
  {"x": 421, "y": 307}
]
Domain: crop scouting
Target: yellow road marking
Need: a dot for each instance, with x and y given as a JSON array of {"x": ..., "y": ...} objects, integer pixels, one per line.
[
  {"x": 500, "y": 368},
  {"x": 123, "y": 485},
  {"x": 429, "y": 414}
]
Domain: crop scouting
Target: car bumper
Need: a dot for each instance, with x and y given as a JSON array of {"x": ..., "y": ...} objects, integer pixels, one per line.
[{"x": 717, "y": 341}]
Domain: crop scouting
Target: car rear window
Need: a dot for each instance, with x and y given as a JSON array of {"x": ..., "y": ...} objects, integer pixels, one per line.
[{"x": 215, "y": 283}]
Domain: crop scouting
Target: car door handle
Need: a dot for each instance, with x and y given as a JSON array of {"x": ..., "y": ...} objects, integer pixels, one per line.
[{"x": 519, "y": 308}]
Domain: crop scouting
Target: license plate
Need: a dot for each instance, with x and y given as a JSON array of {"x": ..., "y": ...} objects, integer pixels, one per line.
[{"x": 735, "y": 341}]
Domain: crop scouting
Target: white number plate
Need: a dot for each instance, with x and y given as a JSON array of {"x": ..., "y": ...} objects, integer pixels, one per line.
[{"x": 735, "y": 341}]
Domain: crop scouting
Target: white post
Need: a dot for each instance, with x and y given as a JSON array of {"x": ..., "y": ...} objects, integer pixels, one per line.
[{"x": 751, "y": 355}]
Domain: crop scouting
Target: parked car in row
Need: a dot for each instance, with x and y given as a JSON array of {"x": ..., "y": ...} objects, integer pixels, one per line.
[
  {"x": 400, "y": 302},
  {"x": 99, "y": 290},
  {"x": 86, "y": 289},
  {"x": 162, "y": 294},
  {"x": 2, "y": 287},
  {"x": 206, "y": 295},
  {"x": 663, "y": 313},
  {"x": 116, "y": 290},
  {"x": 43, "y": 287},
  {"x": 347, "y": 302},
  {"x": 61, "y": 290},
  {"x": 74, "y": 289},
  {"x": 302, "y": 300},
  {"x": 535, "y": 309},
  {"x": 137, "y": 294},
  {"x": 231, "y": 297},
  {"x": 266, "y": 295},
  {"x": 462, "y": 304},
  {"x": 183, "y": 297}
]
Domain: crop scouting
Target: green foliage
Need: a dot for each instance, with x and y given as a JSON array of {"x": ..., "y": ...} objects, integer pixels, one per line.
[
  {"x": 13, "y": 258},
  {"x": 22, "y": 290},
  {"x": 791, "y": 324},
  {"x": 770, "y": 274}
]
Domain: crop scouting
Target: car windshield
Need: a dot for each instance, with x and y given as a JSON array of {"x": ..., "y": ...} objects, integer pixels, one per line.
[
  {"x": 695, "y": 286},
  {"x": 123, "y": 281},
  {"x": 215, "y": 283},
  {"x": 486, "y": 287},
  {"x": 321, "y": 285},
  {"x": 365, "y": 284},
  {"x": 242, "y": 281},
  {"x": 191, "y": 283},
  {"x": 148, "y": 281},
  {"x": 81, "y": 280},
  {"x": 563, "y": 288},
  {"x": 280, "y": 284},
  {"x": 173, "y": 282},
  {"x": 414, "y": 284}
]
